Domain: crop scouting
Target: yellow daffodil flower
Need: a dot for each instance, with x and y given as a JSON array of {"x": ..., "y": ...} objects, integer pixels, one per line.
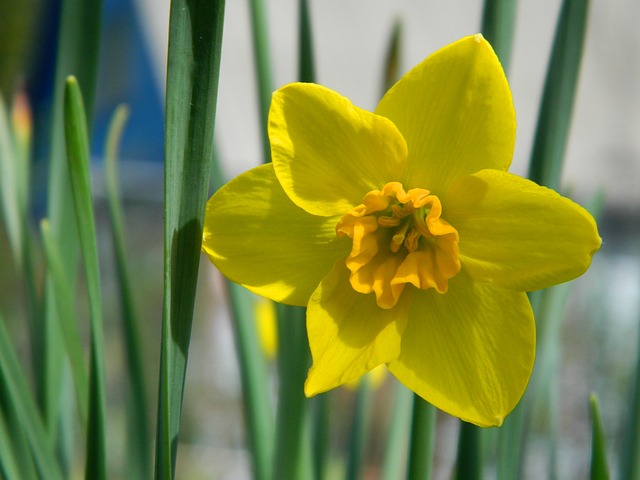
[{"x": 403, "y": 233}]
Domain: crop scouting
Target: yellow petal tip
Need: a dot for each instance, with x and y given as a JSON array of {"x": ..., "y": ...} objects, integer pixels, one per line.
[{"x": 309, "y": 391}]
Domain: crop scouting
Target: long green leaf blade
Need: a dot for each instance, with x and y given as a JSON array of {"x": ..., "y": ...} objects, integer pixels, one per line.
[
  {"x": 469, "y": 461},
  {"x": 545, "y": 169},
  {"x": 556, "y": 108},
  {"x": 8, "y": 445},
  {"x": 14, "y": 205},
  {"x": 292, "y": 451},
  {"x": 77, "y": 54},
  {"x": 498, "y": 24},
  {"x": 510, "y": 440},
  {"x": 262, "y": 58},
  {"x": 253, "y": 375},
  {"x": 68, "y": 325},
  {"x": 19, "y": 396},
  {"x": 138, "y": 445},
  {"x": 195, "y": 39},
  {"x": 391, "y": 69},
  {"x": 77, "y": 144},
  {"x": 320, "y": 423},
  {"x": 421, "y": 444},
  {"x": 306, "y": 63}
]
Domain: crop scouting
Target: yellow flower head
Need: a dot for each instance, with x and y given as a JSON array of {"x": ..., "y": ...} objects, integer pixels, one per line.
[{"x": 403, "y": 233}]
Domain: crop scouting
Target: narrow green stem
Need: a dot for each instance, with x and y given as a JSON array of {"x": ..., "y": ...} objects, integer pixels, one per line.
[
  {"x": 291, "y": 460},
  {"x": 510, "y": 444},
  {"x": 422, "y": 440},
  {"x": 498, "y": 24},
  {"x": 469, "y": 462},
  {"x": 306, "y": 68},
  {"x": 139, "y": 447},
  {"x": 321, "y": 419},
  {"x": 253, "y": 374},
  {"x": 390, "y": 73},
  {"x": 554, "y": 119},
  {"x": 262, "y": 57}
]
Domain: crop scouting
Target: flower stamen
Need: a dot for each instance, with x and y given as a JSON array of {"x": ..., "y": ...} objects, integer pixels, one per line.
[{"x": 398, "y": 238}]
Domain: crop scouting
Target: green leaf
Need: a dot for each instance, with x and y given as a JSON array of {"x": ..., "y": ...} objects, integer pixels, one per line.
[
  {"x": 421, "y": 445},
  {"x": 320, "y": 434},
  {"x": 77, "y": 144},
  {"x": 12, "y": 439},
  {"x": 391, "y": 69},
  {"x": 138, "y": 447},
  {"x": 24, "y": 409},
  {"x": 253, "y": 375},
  {"x": 292, "y": 451},
  {"x": 510, "y": 448},
  {"x": 498, "y": 23},
  {"x": 599, "y": 469},
  {"x": 469, "y": 458},
  {"x": 262, "y": 58},
  {"x": 306, "y": 68},
  {"x": 76, "y": 54},
  {"x": 554, "y": 118},
  {"x": 545, "y": 168},
  {"x": 14, "y": 204},
  {"x": 66, "y": 316},
  {"x": 195, "y": 39}
]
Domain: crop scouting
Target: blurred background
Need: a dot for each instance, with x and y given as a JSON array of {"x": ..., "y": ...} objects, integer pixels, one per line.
[{"x": 599, "y": 337}]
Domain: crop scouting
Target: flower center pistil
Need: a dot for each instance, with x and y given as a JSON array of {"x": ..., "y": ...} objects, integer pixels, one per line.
[{"x": 398, "y": 238}]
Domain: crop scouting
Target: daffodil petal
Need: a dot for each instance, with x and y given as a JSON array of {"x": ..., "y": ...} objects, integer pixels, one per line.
[
  {"x": 469, "y": 352},
  {"x": 257, "y": 237},
  {"x": 518, "y": 234},
  {"x": 348, "y": 333},
  {"x": 328, "y": 153},
  {"x": 456, "y": 114}
]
